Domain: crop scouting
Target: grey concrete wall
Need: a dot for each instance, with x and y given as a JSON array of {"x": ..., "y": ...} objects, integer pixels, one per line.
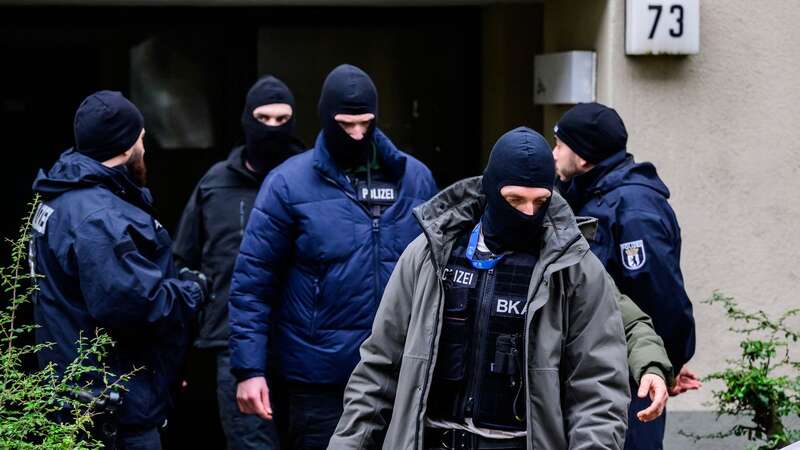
[{"x": 723, "y": 129}]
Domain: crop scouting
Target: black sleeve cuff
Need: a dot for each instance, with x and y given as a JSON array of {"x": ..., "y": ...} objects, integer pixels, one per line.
[{"x": 246, "y": 374}]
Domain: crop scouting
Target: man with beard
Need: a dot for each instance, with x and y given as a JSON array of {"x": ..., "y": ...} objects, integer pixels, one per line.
[
  {"x": 325, "y": 233},
  {"x": 499, "y": 329},
  {"x": 211, "y": 230},
  {"x": 106, "y": 262},
  {"x": 638, "y": 238}
]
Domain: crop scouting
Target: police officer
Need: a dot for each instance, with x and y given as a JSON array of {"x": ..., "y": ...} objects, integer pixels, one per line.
[
  {"x": 106, "y": 262},
  {"x": 326, "y": 230},
  {"x": 498, "y": 329},
  {"x": 638, "y": 239},
  {"x": 211, "y": 231}
]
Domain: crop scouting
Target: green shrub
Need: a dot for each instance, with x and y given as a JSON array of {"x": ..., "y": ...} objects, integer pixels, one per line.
[
  {"x": 30, "y": 399},
  {"x": 753, "y": 389}
]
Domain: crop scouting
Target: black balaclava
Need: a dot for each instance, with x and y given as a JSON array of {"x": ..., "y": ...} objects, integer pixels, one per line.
[
  {"x": 521, "y": 157},
  {"x": 347, "y": 90},
  {"x": 106, "y": 124},
  {"x": 593, "y": 131},
  {"x": 267, "y": 146}
]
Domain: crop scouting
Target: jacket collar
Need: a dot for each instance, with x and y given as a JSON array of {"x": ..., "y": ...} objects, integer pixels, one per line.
[
  {"x": 236, "y": 163},
  {"x": 458, "y": 208},
  {"x": 392, "y": 160},
  {"x": 581, "y": 188},
  {"x": 74, "y": 170},
  {"x": 617, "y": 170}
]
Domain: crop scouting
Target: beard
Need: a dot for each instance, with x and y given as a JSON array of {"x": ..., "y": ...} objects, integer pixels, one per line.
[
  {"x": 566, "y": 169},
  {"x": 137, "y": 168}
]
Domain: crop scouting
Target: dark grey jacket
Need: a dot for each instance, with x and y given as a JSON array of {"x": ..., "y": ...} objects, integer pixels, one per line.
[
  {"x": 209, "y": 234},
  {"x": 577, "y": 370}
]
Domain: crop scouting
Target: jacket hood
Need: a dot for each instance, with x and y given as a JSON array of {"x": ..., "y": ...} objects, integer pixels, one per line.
[
  {"x": 627, "y": 172},
  {"x": 614, "y": 172},
  {"x": 457, "y": 209},
  {"x": 74, "y": 171}
]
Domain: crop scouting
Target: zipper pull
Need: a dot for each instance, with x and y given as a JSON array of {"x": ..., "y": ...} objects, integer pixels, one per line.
[{"x": 241, "y": 218}]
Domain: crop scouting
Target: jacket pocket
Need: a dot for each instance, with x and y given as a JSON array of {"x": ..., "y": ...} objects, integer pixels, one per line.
[
  {"x": 545, "y": 400},
  {"x": 315, "y": 306}
]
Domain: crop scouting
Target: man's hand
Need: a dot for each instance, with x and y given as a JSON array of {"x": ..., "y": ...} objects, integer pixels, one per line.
[
  {"x": 655, "y": 386},
  {"x": 252, "y": 396},
  {"x": 199, "y": 278},
  {"x": 685, "y": 381}
]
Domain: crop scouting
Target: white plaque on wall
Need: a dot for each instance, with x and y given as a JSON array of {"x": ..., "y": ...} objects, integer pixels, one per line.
[
  {"x": 654, "y": 27},
  {"x": 565, "y": 78}
]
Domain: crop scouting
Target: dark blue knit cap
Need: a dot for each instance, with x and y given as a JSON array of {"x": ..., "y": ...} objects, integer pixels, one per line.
[
  {"x": 106, "y": 124},
  {"x": 593, "y": 131}
]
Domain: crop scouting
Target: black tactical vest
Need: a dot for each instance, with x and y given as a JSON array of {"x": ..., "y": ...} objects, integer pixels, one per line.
[{"x": 479, "y": 370}]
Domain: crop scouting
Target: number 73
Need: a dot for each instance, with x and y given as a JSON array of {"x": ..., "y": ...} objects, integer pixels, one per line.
[{"x": 675, "y": 10}]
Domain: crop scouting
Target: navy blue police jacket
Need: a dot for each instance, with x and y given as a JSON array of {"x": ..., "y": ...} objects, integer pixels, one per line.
[
  {"x": 639, "y": 242},
  {"x": 105, "y": 262},
  {"x": 313, "y": 265}
]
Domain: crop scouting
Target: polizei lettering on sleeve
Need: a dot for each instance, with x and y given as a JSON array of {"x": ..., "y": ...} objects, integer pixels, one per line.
[{"x": 42, "y": 216}]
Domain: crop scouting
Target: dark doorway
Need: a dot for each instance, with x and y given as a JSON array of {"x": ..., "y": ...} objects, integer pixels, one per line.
[
  {"x": 426, "y": 75},
  {"x": 425, "y": 61}
]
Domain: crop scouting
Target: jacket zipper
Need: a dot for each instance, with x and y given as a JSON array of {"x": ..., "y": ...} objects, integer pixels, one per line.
[
  {"x": 241, "y": 217},
  {"x": 418, "y": 433},
  {"x": 477, "y": 338},
  {"x": 375, "y": 233},
  {"x": 376, "y": 239}
]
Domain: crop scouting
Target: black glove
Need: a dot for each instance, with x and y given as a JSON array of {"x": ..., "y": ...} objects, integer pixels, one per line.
[{"x": 198, "y": 277}]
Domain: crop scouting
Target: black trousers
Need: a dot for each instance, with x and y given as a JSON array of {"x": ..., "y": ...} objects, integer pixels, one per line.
[
  {"x": 305, "y": 414},
  {"x": 640, "y": 435},
  {"x": 243, "y": 431},
  {"x": 139, "y": 440}
]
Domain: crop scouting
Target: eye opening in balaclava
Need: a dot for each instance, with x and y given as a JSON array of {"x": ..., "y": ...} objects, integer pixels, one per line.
[
  {"x": 348, "y": 90},
  {"x": 267, "y": 146},
  {"x": 521, "y": 157}
]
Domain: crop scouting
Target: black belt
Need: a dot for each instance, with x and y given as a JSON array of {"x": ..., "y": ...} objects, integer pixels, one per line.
[{"x": 441, "y": 439}]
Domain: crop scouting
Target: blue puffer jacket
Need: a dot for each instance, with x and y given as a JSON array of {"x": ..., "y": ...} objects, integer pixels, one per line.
[
  {"x": 107, "y": 263},
  {"x": 639, "y": 243},
  {"x": 313, "y": 265}
]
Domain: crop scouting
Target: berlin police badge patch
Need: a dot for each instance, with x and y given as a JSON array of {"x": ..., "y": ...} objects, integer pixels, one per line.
[{"x": 633, "y": 256}]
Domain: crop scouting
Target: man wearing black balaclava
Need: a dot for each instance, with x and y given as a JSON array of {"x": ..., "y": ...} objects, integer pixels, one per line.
[
  {"x": 348, "y": 110},
  {"x": 103, "y": 261},
  {"x": 325, "y": 232},
  {"x": 498, "y": 328},
  {"x": 209, "y": 235},
  {"x": 638, "y": 241}
]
